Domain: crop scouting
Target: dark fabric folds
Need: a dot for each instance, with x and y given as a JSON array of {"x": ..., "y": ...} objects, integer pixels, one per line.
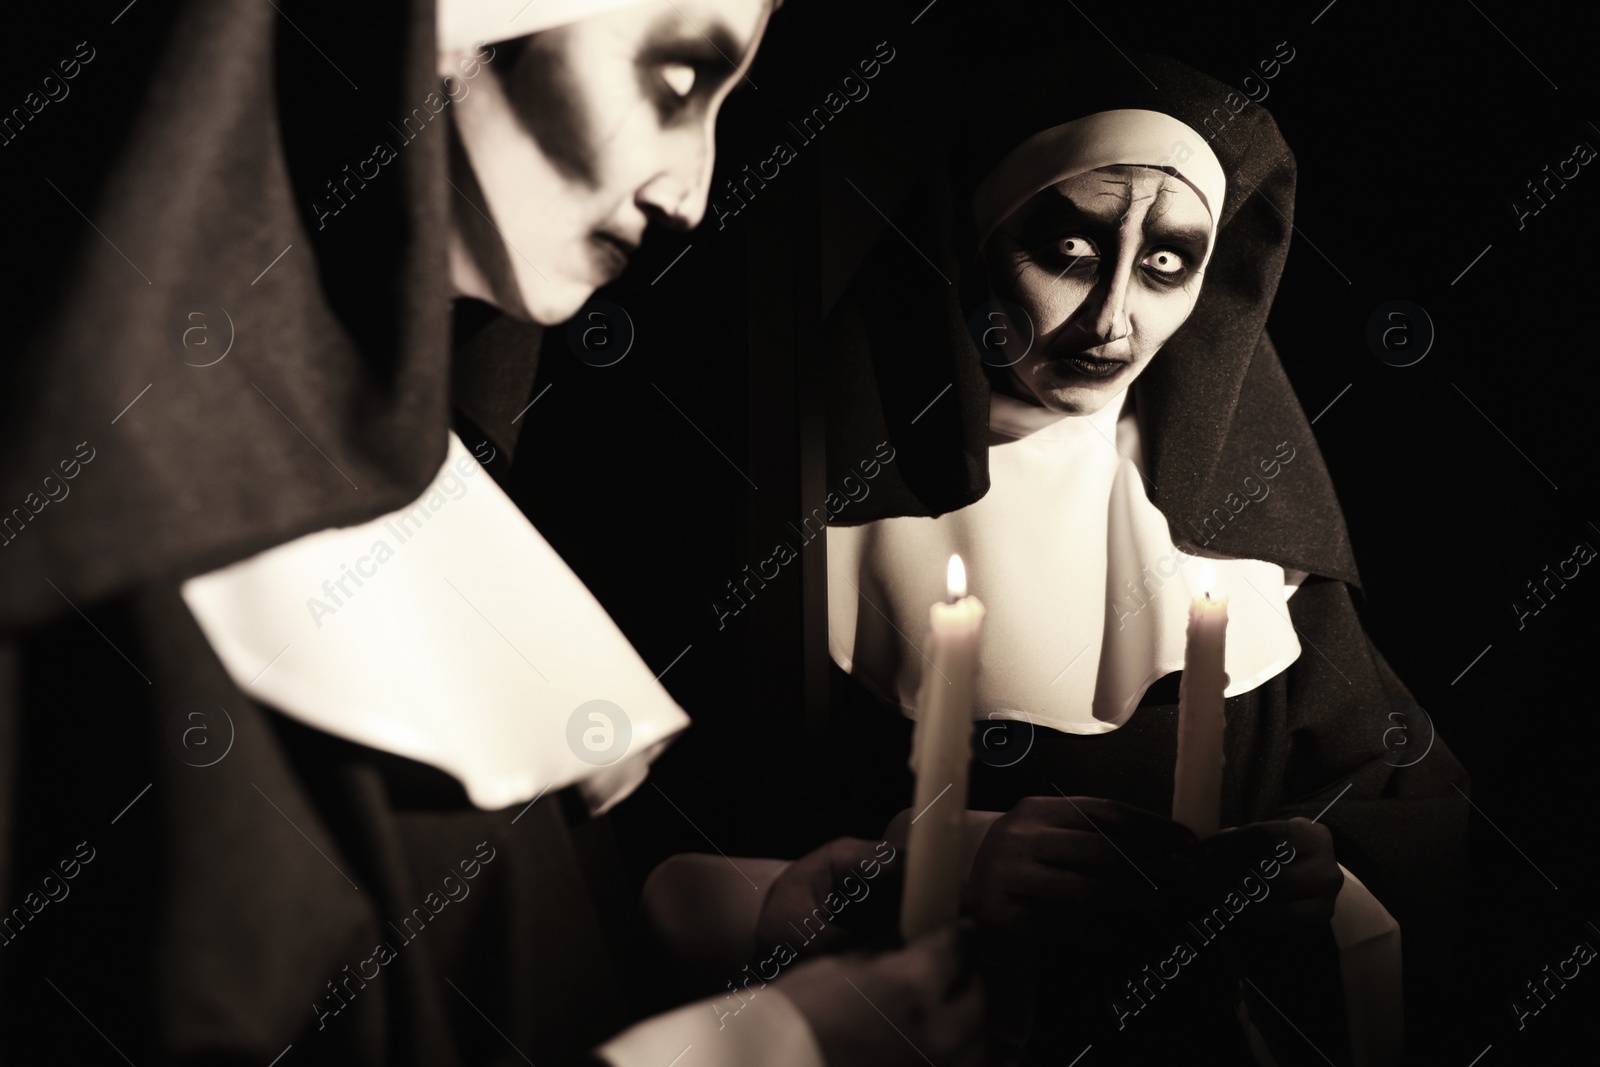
[
  {"x": 900, "y": 369},
  {"x": 491, "y": 380},
  {"x": 243, "y": 876},
  {"x": 238, "y": 205}
]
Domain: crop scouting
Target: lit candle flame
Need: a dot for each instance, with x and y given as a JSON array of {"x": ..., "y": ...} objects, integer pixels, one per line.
[
  {"x": 956, "y": 579},
  {"x": 1208, "y": 579}
]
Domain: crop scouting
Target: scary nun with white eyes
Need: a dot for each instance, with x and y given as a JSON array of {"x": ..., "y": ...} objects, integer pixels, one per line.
[{"x": 1089, "y": 412}]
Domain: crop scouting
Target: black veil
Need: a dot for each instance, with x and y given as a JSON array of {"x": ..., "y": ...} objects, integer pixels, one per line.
[{"x": 214, "y": 192}]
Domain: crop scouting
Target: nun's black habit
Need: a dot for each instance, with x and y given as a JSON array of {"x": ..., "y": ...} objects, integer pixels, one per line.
[
  {"x": 193, "y": 897},
  {"x": 1214, "y": 402}
]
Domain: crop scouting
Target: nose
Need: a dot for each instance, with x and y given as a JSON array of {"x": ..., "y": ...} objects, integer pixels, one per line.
[
  {"x": 675, "y": 195},
  {"x": 1106, "y": 317}
]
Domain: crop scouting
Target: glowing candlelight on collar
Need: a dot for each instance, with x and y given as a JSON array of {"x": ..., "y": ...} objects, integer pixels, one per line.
[
  {"x": 941, "y": 751},
  {"x": 1197, "y": 778}
]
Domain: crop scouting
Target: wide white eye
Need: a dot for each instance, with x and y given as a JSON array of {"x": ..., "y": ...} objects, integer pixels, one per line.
[
  {"x": 1164, "y": 261},
  {"x": 1074, "y": 247},
  {"x": 679, "y": 77}
]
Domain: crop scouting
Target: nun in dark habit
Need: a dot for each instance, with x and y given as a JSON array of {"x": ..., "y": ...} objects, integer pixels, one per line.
[
  {"x": 306, "y": 734},
  {"x": 1116, "y": 420}
]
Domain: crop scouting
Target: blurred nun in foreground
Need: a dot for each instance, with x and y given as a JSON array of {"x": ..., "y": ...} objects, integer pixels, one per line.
[{"x": 314, "y": 722}]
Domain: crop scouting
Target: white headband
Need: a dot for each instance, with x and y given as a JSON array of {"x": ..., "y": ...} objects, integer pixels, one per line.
[
  {"x": 464, "y": 23},
  {"x": 1104, "y": 139}
]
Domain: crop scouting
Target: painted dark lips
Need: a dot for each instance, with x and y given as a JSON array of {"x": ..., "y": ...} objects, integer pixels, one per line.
[
  {"x": 613, "y": 251},
  {"x": 1092, "y": 366}
]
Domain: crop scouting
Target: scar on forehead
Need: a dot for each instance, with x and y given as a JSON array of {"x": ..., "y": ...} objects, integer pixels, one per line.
[
  {"x": 1165, "y": 196},
  {"x": 1123, "y": 191},
  {"x": 1164, "y": 187}
]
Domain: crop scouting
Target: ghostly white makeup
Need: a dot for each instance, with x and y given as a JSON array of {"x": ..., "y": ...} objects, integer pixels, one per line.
[
  {"x": 581, "y": 138},
  {"x": 1105, "y": 264}
]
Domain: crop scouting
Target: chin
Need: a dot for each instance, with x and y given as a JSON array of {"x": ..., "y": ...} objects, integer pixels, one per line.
[
  {"x": 551, "y": 303},
  {"x": 1074, "y": 396},
  {"x": 554, "y": 309},
  {"x": 1074, "y": 401}
]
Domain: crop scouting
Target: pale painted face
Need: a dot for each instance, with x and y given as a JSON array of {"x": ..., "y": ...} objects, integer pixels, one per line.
[
  {"x": 1106, "y": 265},
  {"x": 582, "y": 137}
]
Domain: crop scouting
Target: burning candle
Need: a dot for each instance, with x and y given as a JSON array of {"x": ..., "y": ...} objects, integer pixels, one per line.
[
  {"x": 1197, "y": 779},
  {"x": 940, "y": 754}
]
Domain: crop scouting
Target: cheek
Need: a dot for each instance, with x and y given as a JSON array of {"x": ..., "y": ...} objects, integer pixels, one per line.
[
  {"x": 649, "y": 149},
  {"x": 549, "y": 92},
  {"x": 635, "y": 150},
  {"x": 1156, "y": 318},
  {"x": 1050, "y": 301}
]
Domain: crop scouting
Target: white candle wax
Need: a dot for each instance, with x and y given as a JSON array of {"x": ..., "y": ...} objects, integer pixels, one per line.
[
  {"x": 940, "y": 755},
  {"x": 1197, "y": 778}
]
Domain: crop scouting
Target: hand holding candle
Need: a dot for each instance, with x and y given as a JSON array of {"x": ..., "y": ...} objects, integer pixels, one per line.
[
  {"x": 1197, "y": 779},
  {"x": 940, "y": 754}
]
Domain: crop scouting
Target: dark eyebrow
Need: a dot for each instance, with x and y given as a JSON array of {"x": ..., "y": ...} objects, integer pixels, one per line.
[
  {"x": 673, "y": 38},
  {"x": 1155, "y": 229},
  {"x": 1158, "y": 227},
  {"x": 1059, "y": 212}
]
